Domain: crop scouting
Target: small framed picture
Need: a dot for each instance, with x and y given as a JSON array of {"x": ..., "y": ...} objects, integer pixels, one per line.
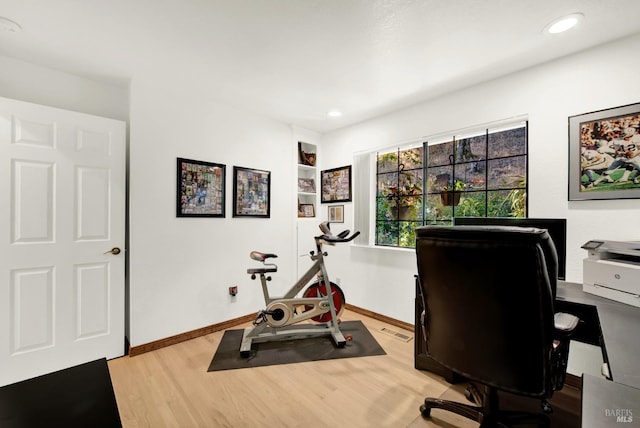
[
  {"x": 336, "y": 213},
  {"x": 306, "y": 185},
  {"x": 306, "y": 210}
]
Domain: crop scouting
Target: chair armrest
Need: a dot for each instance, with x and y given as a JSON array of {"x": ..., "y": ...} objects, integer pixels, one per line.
[
  {"x": 423, "y": 315},
  {"x": 565, "y": 323},
  {"x": 564, "y": 326}
]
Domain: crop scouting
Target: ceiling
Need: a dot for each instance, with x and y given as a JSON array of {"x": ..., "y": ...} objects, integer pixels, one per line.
[{"x": 294, "y": 60}]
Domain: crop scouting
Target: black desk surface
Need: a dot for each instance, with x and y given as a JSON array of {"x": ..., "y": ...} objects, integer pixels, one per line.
[{"x": 620, "y": 324}]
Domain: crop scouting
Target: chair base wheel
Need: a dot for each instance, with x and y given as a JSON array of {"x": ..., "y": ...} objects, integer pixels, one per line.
[
  {"x": 468, "y": 395},
  {"x": 489, "y": 415},
  {"x": 425, "y": 411},
  {"x": 473, "y": 394}
]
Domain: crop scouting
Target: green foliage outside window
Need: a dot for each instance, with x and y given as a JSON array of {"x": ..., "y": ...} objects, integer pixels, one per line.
[{"x": 479, "y": 176}]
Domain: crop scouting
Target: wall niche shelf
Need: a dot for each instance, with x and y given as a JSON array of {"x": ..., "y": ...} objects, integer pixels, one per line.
[{"x": 307, "y": 180}]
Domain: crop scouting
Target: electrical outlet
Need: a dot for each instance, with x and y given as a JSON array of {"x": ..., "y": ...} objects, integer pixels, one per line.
[{"x": 233, "y": 290}]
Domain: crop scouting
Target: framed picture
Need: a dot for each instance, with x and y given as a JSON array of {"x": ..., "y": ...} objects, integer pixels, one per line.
[
  {"x": 251, "y": 192},
  {"x": 306, "y": 185},
  {"x": 306, "y": 210},
  {"x": 200, "y": 189},
  {"x": 336, "y": 185},
  {"x": 336, "y": 213},
  {"x": 604, "y": 154}
]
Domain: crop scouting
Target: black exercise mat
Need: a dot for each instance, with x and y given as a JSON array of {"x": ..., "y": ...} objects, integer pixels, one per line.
[
  {"x": 80, "y": 396},
  {"x": 228, "y": 356}
]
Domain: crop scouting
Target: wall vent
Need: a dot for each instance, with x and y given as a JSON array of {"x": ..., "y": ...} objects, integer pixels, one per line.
[{"x": 397, "y": 335}]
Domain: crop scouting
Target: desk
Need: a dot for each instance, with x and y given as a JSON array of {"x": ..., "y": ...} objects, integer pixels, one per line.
[
  {"x": 607, "y": 403},
  {"x": 609, "y": 324},
  {"x": 617, "y": 330}
]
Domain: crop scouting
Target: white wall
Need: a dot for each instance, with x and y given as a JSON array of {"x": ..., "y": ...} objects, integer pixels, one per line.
[
  {"x": 181, "y": 268},
  {"x": 381, "y": 280},
  {"x": 40, "y": 85}
]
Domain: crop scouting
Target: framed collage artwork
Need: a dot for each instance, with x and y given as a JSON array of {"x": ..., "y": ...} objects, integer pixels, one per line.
[
  {"x": 336, "y": 185},
  {"x": 251, "y": 192},
  {"x": 200, "y": 189}
]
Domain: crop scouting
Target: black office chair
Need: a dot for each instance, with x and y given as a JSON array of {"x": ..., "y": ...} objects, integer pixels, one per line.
[{"x": 488, "y": 296}]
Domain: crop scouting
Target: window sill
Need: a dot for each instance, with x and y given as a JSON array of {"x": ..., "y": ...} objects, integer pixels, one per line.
[{"x": 385, "y": 248}]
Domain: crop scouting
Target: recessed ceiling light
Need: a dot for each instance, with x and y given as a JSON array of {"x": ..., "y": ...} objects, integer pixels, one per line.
[
  {"x": 334, "y": 113},
  {"x": 8, "y": 26},
  {"x": 563, "y": 24}
]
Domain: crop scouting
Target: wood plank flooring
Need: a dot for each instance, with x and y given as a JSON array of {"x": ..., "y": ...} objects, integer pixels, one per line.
[{"x": 171, "y": 387}]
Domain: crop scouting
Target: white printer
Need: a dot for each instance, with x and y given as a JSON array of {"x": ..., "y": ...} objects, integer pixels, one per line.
[{"x": 612, "y": 270}]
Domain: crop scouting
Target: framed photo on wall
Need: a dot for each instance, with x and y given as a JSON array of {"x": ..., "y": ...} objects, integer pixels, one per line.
[
  {"x": 604, "y": 154},
  {"x": 306, "y": 185},
  {"x": 336, "y": 185},
  {"x": 306, "y": 210},
  {"x": 251, "y": 192},
  {"x": 200, "y": 189},
  {"x": 335, "y": 213}
]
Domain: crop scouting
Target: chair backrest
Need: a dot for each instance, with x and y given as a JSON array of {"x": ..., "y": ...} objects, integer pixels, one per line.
[{"x": 489, "y": 293}]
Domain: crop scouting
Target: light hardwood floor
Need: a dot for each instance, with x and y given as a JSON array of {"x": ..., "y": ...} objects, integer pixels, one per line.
[{"x": 171, "y": 387}]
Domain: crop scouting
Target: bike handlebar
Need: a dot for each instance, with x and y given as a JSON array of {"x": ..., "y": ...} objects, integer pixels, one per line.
[{"x": 328, "y": 236}]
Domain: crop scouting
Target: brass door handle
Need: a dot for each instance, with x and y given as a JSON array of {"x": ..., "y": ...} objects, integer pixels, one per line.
[{"x": 115, "y": 251}]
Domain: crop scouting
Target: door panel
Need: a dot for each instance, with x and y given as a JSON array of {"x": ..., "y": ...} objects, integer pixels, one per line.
[
  {"x": 32, "y": 190},
  {"x": 93, "y": 189},
  {"x": 36, "y": 133},
  {"x": 92, "y": 309},
  {"x": 63, "y": 184},
  {"x": 31, "y": 309}
]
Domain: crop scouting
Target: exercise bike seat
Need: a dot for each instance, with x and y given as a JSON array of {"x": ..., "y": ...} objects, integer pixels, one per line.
[{"x": 261, "y": 257}]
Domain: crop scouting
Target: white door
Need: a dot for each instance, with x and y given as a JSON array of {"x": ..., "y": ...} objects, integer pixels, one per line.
[{"x": 62, "y": 187}]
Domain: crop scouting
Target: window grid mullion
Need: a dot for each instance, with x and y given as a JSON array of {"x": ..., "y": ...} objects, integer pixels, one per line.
[
  {"x": 486, "y": 173},
  {"x": 393, "y": 236}
]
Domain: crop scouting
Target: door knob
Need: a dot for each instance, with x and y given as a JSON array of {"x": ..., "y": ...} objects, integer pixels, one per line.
[{"x": 115, "y": 251}]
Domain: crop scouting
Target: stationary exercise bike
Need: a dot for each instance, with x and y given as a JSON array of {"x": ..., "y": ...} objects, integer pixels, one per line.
[{"x": 318, "y": 303}]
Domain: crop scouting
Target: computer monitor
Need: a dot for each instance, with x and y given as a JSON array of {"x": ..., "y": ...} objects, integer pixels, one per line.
[{"x": 556, "y": 227}]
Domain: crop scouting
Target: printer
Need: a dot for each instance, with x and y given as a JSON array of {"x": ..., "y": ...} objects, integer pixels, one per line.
[{"x": 612, "y": 270}]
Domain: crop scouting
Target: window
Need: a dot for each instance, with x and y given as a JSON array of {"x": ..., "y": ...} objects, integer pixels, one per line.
[
  {"x": 482, "y": 174},
  {"x": 399, "y": 196}
]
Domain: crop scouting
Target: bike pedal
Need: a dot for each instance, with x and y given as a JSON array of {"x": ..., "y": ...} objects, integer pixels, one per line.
[{"x": 260, "y": 318}]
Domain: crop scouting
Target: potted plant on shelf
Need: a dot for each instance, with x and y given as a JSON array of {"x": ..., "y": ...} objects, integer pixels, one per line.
[{"x": 450, "y": 194}]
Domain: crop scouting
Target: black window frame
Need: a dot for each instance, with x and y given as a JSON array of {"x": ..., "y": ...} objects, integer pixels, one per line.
[{"x": 389, "y": 230}]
